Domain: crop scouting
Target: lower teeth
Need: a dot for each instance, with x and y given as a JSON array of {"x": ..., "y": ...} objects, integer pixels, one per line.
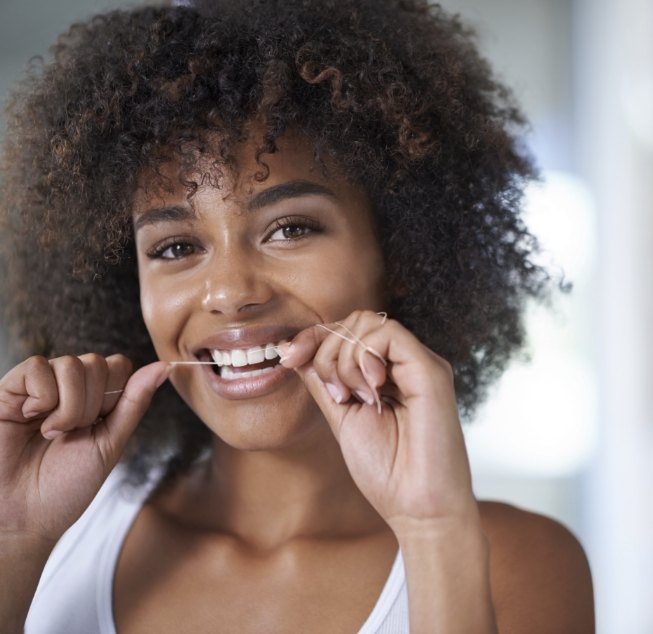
[{"x": 228, "y": 374}]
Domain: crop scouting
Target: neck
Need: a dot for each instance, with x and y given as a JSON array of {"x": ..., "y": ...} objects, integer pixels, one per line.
[{"x": 269, "y": 498}]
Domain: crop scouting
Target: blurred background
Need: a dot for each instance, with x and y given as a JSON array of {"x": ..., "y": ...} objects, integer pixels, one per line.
[{"x": 570, "y": 433}]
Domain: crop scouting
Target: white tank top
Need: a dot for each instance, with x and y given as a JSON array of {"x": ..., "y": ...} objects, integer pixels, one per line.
[{"x": 74, "y": 595}]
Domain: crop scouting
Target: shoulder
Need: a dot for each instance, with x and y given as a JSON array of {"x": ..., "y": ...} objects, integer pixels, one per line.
[{"x": 540, "y": 576}]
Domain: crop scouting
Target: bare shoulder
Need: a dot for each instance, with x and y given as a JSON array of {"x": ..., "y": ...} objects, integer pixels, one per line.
[{"x": 540, "y": 576}]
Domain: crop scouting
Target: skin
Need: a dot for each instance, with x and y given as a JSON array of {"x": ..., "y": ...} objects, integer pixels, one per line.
[{"x": 310, "y": 488}]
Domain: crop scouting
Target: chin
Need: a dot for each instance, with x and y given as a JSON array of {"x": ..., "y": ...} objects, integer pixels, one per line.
[{"x": 252, "y": 427}]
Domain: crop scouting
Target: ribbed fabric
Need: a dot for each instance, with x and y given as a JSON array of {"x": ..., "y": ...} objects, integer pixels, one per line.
[{"x": 74, "y": 595}]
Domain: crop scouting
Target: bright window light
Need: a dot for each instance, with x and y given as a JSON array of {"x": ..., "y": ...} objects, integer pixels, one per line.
[{"x": 541, "y": 419}]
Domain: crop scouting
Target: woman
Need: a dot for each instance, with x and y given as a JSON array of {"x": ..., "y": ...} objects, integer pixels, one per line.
[{"x": 243, "y": 190}]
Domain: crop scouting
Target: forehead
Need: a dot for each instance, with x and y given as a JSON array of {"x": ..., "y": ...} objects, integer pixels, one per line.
[{"x": 246, "y": 175}]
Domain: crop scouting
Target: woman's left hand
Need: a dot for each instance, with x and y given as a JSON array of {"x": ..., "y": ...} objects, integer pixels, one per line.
[{"x": 397, "y": 424}]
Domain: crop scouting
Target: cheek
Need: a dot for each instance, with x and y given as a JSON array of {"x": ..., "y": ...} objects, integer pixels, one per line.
[
  {"x": 347, "y": 280},
  {"x": 164, "y": 309}
]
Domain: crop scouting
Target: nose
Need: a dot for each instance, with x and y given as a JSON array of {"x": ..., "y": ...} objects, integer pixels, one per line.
[{"x": 234, "y": 286}]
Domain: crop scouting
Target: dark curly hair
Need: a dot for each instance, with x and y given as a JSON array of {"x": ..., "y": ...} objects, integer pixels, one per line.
[{"x": 393, "y": 92}]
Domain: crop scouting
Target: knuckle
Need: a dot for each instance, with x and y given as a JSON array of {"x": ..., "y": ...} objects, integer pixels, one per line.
[
  {"x": 93, "y": 359},
  {"x": 445, "y": 367},
  {"x": 70, "y": 364},
  {"x": 121, "y": 363},
  {"x": 35, "y": 364},
  {"x": 393, "y": 324}
]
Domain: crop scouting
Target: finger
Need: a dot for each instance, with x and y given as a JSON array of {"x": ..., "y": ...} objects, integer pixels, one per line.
[
  {"x": 361, "y": 378},
  {"x": 302, "y": 348},
  {"x": 95, "y": 379},
  {"x": 69, "y": 373},
  {"x": 323, "y": 344},
  {"x": 350, "y": 364},
  {"x": 120, "y": 369},
  {"x": 113, "y": 433},
  {"x": 333, "y": 411},
  {"x": 28, "y": 391},
  {"x": 374, "y": 373},
  {"x": 325, "y": 363}
]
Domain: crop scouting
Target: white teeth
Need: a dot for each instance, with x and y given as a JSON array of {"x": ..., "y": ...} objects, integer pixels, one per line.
[
  {"x": 228, "y": 374},
  {"x": 255, "y": 355},
  {"x": 238, "y": 358},
  {"x": 251, "y": 356}
]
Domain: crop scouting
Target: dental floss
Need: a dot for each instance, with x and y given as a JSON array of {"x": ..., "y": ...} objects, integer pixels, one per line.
[{"x": 354, "y": 340}]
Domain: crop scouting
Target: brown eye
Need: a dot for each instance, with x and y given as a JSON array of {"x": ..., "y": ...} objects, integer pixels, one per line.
[
  {"x": 173, "y": 251},
  {"x": 292, "y": 232},
  {"x": 293, "y": 228},
  {"x": 178, "y": 250}
]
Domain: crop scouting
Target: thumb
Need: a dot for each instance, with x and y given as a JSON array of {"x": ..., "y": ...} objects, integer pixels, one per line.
[
  {"x": 119, "y": 425},
  {"x": 333, "y": 411}
]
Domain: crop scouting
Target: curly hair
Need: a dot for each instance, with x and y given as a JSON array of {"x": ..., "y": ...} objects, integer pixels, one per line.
[{"x": 393, "y": 92}]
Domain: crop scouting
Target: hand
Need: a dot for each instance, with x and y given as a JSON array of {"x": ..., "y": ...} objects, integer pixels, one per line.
[
  {"x": 61, "y": 434},
  {"x": 397, "y": 424}
]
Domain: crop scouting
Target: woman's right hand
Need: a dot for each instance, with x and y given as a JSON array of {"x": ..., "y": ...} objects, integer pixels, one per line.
[{"x": 64, "y": 424}]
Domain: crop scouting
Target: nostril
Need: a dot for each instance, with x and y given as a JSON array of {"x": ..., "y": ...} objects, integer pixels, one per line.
[{"x": 235, "y": 293}]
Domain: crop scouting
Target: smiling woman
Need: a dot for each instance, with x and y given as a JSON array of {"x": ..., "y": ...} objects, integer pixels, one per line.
[{"x": 229, "y": 195}]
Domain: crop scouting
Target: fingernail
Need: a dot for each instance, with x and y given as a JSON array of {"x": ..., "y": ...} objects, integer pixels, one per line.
[
  {"x": 366, "y": 397},
  {"x": 285, "y": 351},
  {"x": 334, "y": 392},
  {"x": 366, "y": 373},
  {"x": 51, "y": 434}
]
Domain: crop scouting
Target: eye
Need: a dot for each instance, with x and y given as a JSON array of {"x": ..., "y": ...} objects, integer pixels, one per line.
[
  {"x": 293, "y": 228},
  {"x": 174, "y": 249}
]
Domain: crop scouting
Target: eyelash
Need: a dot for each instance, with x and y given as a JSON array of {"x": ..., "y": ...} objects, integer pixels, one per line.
[
  {"x": 158, "y": 251},
  {"x": 308, "y": 225}
]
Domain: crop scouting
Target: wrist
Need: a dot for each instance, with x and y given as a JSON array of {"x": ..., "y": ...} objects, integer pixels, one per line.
[
  {"x": 415, "y": 529},
  {"x": 447, "y": 564}
]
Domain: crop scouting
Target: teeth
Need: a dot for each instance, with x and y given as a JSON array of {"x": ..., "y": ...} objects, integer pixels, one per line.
[
  {"x": 238, "y": 358},
  {"x": 255, "y": 355},
  {"x": 241, "y": 358},
  {"x": 228, "y": 374}
]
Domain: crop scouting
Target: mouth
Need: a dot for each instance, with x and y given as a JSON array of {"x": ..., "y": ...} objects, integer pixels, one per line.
[{"x": 242, "y": 363}]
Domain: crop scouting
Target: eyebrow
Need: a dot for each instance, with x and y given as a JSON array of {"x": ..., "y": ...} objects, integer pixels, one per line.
[
  {"x": 292, "y": 189},
  {"x": 163, "y": 214},
  {"x": 270, "y": 196}
]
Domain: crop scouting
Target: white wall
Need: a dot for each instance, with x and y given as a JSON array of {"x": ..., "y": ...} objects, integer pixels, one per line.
[
  {"x": 615, "y": 124},
  {"x": 584, "y": 71}
]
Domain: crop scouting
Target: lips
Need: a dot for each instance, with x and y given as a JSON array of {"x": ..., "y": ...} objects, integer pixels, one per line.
[{"x": 247, "y": 360}]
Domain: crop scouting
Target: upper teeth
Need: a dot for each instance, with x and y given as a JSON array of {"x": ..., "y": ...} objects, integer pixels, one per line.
[{"x": 241, "y": 358}]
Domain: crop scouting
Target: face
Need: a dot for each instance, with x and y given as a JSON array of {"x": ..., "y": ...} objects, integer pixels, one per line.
[{"x": 235, "y": 270}]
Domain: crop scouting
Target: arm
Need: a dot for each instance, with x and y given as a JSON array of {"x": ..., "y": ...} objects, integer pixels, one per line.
[
  {"x": 467, "y": 570},
  {"x": 22, "y": 560},
  {"x": 448, "y": 578},
  {"x": 541, "y": 580},
  {"x": 405, "y": 450},
  {"x": 63, "y": 426}
]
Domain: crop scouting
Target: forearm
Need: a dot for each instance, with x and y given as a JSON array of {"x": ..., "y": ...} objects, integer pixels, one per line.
[
  {"x": 21, "y": 563},
  {"x": 448, "y": 577}
]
